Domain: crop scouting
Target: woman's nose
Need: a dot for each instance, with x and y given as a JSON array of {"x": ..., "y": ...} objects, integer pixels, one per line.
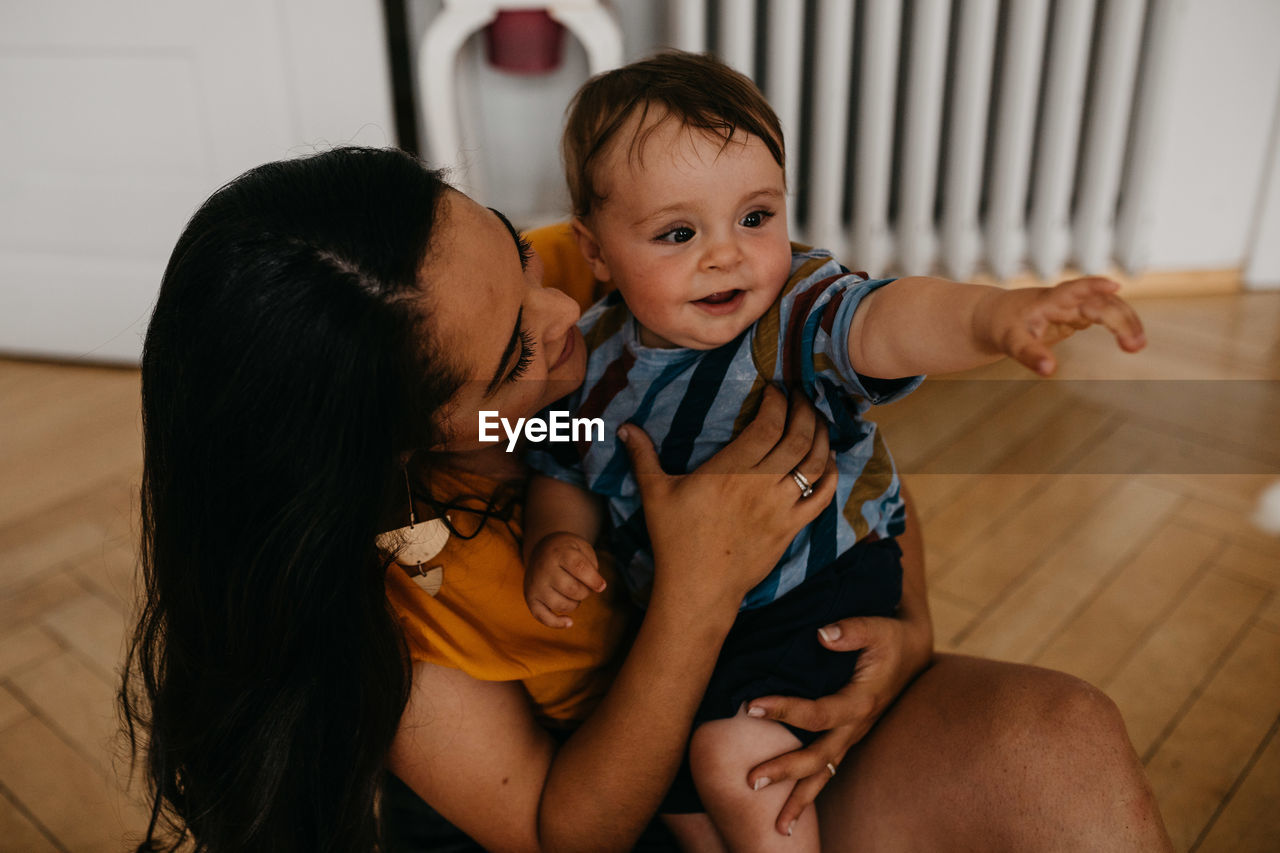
[{"x": 557, "y": 312}]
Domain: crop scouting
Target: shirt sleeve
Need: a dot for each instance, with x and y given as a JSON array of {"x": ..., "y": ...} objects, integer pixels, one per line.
[{"x": 816, "y": 316}]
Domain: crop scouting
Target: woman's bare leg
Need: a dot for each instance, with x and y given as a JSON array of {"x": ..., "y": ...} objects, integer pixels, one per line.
[{"x": 983, "y": 755}]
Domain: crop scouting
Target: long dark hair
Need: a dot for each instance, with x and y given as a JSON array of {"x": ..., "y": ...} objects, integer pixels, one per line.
[{"x": 287, "y": 367}]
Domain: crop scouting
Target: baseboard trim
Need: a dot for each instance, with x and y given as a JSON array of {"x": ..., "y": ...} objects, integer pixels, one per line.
[{"x": 1153, "y": 283}]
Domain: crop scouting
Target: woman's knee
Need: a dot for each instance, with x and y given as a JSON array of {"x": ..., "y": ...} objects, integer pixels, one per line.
[{"x": 1075, "y": 741}]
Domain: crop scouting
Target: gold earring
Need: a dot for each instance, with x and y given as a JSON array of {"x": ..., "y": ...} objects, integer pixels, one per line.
[{"x": 414, "y": 545}]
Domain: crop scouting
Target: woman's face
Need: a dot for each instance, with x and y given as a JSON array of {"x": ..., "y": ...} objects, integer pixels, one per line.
[{"x": 514, "y": 342}]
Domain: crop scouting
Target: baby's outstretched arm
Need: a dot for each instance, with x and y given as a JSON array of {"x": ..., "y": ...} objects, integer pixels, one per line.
[
  {"x": 561, "y": 522},
  {"x": 931, "y": 325}
]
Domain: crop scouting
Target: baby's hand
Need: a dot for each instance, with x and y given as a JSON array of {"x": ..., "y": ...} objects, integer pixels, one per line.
[
  {"x": 1024, "y": 323},
  {"x": 562, "y": 571}
]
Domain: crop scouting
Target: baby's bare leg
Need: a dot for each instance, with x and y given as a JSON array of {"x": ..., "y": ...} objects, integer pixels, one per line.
[{"x": 721, "y": 753}]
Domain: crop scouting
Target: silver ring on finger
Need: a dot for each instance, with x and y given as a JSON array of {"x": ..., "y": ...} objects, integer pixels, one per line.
[
  {"x": 806, "y": 488},
  {"x": 831, "y": 768}
]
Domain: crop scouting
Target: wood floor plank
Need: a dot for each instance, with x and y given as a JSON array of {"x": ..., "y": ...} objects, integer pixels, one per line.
[
  {"x": 92, "y": 628},
  {"x": 1046, "y": 597},
  {"x": 48, "y": 550},
  {"x": 955, "y": 527},
  {"x": 1042, "y": 422},
  {"x": 66, "y": 793},
  {"x": 11, "y": 711},
  {"x": 1097, "y": 640},
  {"x": 1270, "y": 615},
  {"x": 1025, "y": 538},
  {"x": 1235, "y": 526},
  {"x": 913, "y": 428},
  {"x": 931, "y": 492},
  {"x": 949, "y": 619},
  {"x": 1136, "y": 448},
  {"x": 1242, "y": 560},
  {"x": 1250, "y": 821},
  {"x": 78, "y": 702},
  {"x": 113, "y": 574},
  {"x": 24, "y": 647},
  {"x": 21, "y": 608},
  {"x": 1238, "y": 493},
  {"x": 19, "y": 834},
  {"x": 1212, "y": 744},
  {"x": 1180, "y": 655}
]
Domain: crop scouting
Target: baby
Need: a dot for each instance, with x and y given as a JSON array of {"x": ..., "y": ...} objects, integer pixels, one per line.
[{"x": 675, "y": 168}]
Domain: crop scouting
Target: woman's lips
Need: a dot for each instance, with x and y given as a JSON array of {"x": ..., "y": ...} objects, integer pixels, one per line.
[
  {"x": 720, "y": 302},
  {"x": 570, "y": 344}
]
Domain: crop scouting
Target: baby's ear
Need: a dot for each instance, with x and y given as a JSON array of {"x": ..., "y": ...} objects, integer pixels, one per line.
[{"x": 590, "y": 248}]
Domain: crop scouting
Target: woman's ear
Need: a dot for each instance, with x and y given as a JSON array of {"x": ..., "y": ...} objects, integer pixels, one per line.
[{"x": 590, "y": 248}]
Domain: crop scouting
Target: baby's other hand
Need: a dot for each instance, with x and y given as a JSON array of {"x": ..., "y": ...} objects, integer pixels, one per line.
[
  {"x": 1025, "y": 323},
  {"x": 562, "y": 571}
]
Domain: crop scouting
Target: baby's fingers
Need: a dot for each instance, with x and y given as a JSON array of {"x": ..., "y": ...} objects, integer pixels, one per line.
[
  {"x": 585, "y": 570},
  {"x": 547, "y": 616},
  {"x": 567, "y": 585},
  {"x": 1026, "y": 345},
  {"x": 1120, "y": 318},
  {"x": 1089, "y": 301}
]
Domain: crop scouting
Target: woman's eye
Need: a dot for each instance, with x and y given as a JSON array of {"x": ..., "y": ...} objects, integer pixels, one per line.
[
  {"x": 526, "y": 356},
  {"x": 677, "y": 235},
  {"x": 756, "y": 218},
  {"x": 526, "y": 251}
]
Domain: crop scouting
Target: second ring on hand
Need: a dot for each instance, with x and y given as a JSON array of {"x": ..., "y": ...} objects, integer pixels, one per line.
[{"x": 806, "y": 487}]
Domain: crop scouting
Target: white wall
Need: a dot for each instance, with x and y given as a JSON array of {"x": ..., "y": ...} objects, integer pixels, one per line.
[
  {"x": 120, "y": 118},
  {"x": 1224, "y": 91}
]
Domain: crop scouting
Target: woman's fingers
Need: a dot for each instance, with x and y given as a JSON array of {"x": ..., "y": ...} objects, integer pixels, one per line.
[
  {"x": 759, "y": 437},
  {"x": 802, "y": 796},
  {"x": 810, "y": 768},
  {"x": 797, "y": 439},
  {"x": 842, "y": 709},
  {"x": 824, "y": 489},
  {"x": 644, "y": 459},
  {"x": 815, "y": 462}
]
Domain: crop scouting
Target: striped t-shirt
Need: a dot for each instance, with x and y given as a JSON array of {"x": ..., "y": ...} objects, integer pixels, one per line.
[{"x": 693, "y": 402}]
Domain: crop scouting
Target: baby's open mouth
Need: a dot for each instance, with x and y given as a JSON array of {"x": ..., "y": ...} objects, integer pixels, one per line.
[{"x": 719, "y": 297}]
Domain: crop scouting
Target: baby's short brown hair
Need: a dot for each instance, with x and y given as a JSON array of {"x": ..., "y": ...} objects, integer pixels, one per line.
[{"x": 697, "y": 90}]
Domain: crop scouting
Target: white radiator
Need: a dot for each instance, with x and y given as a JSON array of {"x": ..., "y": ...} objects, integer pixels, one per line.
[{"x": 957, "y": 136}]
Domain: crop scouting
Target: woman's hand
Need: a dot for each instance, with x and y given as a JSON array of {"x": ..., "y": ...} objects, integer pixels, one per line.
[
  {"x": 720, "y": 529},
  {"x": 894, "y": 651}
]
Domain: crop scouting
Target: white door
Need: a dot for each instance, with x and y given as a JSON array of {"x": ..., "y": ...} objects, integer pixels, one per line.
[{"x": 118, "y": 118}]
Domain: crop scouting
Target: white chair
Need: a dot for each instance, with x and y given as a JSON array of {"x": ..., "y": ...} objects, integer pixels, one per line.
[{"x": 592, "y": 24}]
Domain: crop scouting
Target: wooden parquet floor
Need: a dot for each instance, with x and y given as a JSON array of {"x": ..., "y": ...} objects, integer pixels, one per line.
[{"x": 1096, "y": 523}]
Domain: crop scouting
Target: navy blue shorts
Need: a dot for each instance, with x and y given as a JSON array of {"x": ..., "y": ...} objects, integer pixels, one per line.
[{"x": 774, "y": 650}]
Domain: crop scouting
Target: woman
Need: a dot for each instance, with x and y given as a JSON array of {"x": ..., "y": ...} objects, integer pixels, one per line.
[{"x": 328, "y": 327}]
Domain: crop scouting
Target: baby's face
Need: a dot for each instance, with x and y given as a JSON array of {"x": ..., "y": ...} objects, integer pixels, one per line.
[{"x": 693, "y": 232}]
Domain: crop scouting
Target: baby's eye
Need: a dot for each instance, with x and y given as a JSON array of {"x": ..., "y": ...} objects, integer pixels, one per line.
[
  {"x": 756, "y": 218},
  {"x": 682, "y": 234}
]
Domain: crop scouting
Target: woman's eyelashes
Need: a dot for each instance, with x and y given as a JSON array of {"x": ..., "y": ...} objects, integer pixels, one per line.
[
  {"x": 526, "y": 250},
  {"x": 526, "y": 354}
]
